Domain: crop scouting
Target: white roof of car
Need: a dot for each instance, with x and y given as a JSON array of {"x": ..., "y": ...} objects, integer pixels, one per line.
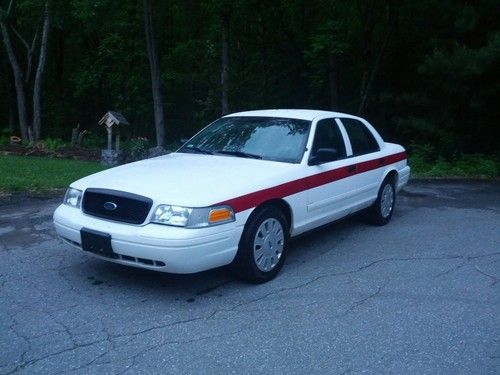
[{"x": 302, "y": 114}]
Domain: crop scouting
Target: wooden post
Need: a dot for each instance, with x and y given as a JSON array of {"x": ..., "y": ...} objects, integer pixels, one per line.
[
  {"x": 110, "y": 137},
  {"x": 117, "y": 144}
]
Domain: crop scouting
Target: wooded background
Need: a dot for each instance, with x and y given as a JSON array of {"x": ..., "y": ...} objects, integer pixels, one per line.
[{"x": 423, "y": 72}]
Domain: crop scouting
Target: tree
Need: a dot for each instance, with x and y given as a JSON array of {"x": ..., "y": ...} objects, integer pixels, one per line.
[
  {"x": 222, "y": 11},
  {"x": 37, "y": 120},
  {"x": 370, "y": 14},
  {"x": 22, "y": 79},
  {"x": 224, "y": 76},
  {"x": 420, "y": 81},
  {"x": 16, "y": 69},
  {"x": 154, "y": 66}
]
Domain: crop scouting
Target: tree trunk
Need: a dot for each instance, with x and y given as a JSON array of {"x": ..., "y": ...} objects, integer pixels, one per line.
[
  {"x": 11, "y": 103},
  {"x": 37, "y": 118},
  {"x": 369, "y": 75},
  {"x": 155, "y": 74},
  {"x": 11, "y": 118},
  {"x": 224, "y": 76},
  {"x": 18, "y": 82},
  {"x": 334, "y": 86}
]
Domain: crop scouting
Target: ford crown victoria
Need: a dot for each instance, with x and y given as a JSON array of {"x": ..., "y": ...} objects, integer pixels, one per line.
[{"x": 235, "y": 193}]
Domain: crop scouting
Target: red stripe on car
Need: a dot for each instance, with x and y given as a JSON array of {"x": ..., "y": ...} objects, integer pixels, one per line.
[{"x": 244, "y": 202}]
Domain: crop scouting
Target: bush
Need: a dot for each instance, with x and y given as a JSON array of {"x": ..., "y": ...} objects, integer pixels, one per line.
[
  {"x": 423, "y": 164},
  {"x": 4, "y": 140},
  {"x": 5, "y": 134},
  {"x": 53, "y": 143},
  {"x": 94, "y": 141},
  {"x": 136, "y": 148}
]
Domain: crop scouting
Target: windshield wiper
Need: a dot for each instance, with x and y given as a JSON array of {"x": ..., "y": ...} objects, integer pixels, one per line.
[
  {"x": 197, "y": 150},
  {"x": 240, "y": 154}
]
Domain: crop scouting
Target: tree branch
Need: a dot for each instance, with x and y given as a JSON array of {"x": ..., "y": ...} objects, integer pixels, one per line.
[
  {"x": 4, "y": 13},
  {"x": 20, "y": 37},
  {"x": 30, "y": 56},
  {"x": 29, "y": 52},
  {"x": 9, "y": 8}
]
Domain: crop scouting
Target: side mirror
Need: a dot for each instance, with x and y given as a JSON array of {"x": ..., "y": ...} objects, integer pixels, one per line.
[{"x": 324, "y": 155}]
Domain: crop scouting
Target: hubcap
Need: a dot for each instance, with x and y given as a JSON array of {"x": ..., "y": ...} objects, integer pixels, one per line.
[
  {"x": 268, "y": 244},
  {"x": 387, "y": 201}
]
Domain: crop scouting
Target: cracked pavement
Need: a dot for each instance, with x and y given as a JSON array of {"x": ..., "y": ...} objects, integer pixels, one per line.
[{"x": 420, "y": 295}]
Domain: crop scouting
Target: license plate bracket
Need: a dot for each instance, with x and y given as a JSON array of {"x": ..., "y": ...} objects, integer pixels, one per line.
[{"x": 97, "y": 242}]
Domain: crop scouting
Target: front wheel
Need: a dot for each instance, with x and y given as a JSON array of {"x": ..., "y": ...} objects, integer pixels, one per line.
[
  {"x": 381, "y": 211},
  {"x": 263, "y": 246}
]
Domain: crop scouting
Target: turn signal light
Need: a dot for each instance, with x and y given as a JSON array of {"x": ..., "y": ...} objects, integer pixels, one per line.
[{"x": 219, "y": 215}]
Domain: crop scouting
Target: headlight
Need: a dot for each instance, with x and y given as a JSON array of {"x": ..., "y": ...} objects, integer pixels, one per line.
[
  {"x": 73, "y": 197},
  {"x": 192, "y": 217}
]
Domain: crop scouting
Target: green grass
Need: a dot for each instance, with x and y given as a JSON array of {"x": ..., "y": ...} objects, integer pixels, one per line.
[
  {"x": 468, "y": 166},
  {"x": 38, "y": 174}
]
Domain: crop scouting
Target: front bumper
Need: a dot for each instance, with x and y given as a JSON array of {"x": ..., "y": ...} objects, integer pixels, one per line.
[{"x": 154, "y": 246}]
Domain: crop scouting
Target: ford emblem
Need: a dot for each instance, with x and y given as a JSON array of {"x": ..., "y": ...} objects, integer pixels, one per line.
[{"x": 110, "y": 206}]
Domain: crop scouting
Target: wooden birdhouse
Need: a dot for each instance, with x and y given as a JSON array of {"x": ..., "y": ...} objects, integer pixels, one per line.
[{"x": 113, "y": 122}]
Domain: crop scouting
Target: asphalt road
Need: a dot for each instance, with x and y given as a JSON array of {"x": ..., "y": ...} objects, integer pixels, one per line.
[{"x": 418, "y": 296}]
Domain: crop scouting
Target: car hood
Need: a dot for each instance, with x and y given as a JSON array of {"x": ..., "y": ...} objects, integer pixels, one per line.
[{"x": 190, "y": 180}]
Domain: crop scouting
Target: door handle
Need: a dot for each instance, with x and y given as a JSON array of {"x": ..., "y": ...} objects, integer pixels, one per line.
[
  {"x": 381, "y": 161},
  {"x": 351, "y": 168}
]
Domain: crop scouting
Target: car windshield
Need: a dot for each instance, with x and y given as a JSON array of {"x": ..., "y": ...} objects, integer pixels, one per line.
[{"x": 268, "y": 138}]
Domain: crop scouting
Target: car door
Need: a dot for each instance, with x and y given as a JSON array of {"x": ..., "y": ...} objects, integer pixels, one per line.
[
  {"x": 365, "y": 160},
  {"x": 330, "y": 182}
]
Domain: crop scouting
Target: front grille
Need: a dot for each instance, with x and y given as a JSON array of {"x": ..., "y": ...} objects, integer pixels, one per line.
[{"x": 116, "y": 205}]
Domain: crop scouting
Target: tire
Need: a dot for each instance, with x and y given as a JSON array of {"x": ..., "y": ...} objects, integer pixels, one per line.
[
  {"x": 380, "y": 213},
  {"x": 263, "y": 246}
]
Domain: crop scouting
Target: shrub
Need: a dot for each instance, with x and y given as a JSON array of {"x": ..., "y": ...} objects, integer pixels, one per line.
[
  {"x": 94, "y": 141},
  {"x": 423, "y": 164},
  {"x": 53, "y": 143},
  {"x": 136, "y": 148},
  {"x": 4, "y": 140}
]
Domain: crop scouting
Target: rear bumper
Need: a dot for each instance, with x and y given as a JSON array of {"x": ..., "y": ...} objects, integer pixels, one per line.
[
  {"x": 403, "y": 177},
  {"x": 154, "y": 246}
]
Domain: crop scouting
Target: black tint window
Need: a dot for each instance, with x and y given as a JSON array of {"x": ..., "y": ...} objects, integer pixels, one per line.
[
  {"x": 328, "y": 136},
  {"x": 362, "y": 140}
]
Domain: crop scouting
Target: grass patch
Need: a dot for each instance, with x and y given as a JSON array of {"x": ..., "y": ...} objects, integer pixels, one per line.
[
  {"x": 469, "y": 166},
  {"x": 38, "y": 174}
]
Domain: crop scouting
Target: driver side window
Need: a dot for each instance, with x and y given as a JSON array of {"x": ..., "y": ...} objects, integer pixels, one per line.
[{"x": 328, "y": 136}]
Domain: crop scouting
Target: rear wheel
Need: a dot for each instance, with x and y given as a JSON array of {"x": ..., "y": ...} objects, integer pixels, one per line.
[
  {"x": 381, "y": 211},
  {"x": 263, "y": 246}
]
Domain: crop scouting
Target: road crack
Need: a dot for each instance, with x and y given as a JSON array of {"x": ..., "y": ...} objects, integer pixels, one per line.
[{"x": 495, "y": 278}]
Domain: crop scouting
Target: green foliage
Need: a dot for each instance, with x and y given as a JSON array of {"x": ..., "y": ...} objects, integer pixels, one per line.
[
  {"x": 5, "y": 136},
  {"x": 137, "y": 148},
  {"x": 437, "y": 83},
  {"x": 4, "y": 140},
  {"x": 53, "y": 143},
  {"x": 30, "y": 173},
  {"x": 467, "y": 165},
  {"x": 94, "y": 140}
]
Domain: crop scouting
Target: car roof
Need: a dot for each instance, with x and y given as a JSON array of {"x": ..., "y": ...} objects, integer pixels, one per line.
[{"x": 302, "y": 114}]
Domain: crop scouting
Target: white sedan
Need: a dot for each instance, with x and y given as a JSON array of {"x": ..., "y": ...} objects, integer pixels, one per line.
[{"x": 235, "y": 193}]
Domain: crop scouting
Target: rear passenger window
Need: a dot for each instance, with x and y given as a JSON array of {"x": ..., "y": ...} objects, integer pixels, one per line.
[
  {"x": 328, "y": 136},
  {"x": 362, "y": 139}
]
